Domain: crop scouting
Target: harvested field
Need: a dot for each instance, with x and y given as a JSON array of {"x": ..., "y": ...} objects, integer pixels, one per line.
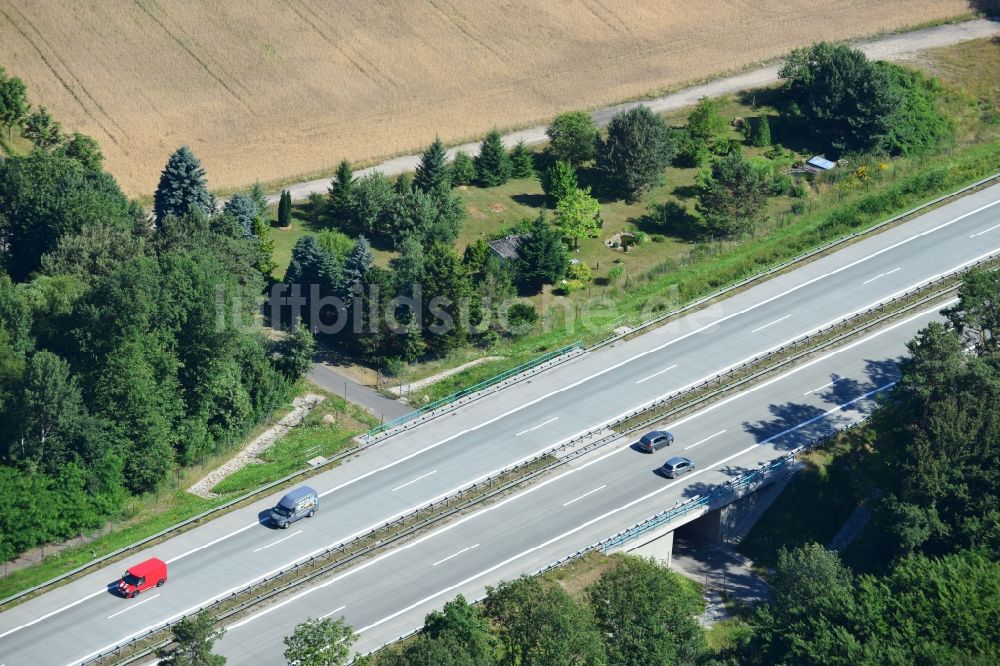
[{"x": 272, "y": 89}]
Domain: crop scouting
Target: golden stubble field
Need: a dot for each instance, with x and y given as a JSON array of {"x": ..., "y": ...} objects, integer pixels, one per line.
[{"x": 270, "y": 89}]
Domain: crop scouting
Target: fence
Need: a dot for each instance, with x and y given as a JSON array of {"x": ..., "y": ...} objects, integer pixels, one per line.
[
  {"x": 454, "y": 503},
  {"x": 457, "y": 398}
]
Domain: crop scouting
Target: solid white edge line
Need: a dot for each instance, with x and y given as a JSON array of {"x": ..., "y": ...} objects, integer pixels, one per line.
[
  {"x": 657, "y": 374},
  {"x": 586, "y": 464},
  {"x": 611, "y": 368},
  {"x": 423, "y": 476},
  {"x": 442, "y": 561},
  {"x": 135, "y": 605},
  {"x": 610, "y": 513},
  {"x": 585, "y": 495},
  {"x": 524, "y": 493},
  {"x": 705, "y": 440},
  {"x": 275, "y": 543}
]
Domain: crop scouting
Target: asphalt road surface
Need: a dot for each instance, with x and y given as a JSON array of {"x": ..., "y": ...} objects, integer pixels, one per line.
[
  {"x": 412, "y": 468},
  {"x": 891, "y": 47},
  {"x": 593, "y": 499}
]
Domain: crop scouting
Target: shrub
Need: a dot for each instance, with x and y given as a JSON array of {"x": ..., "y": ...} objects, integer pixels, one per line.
[{"x": 579, "y": 271}]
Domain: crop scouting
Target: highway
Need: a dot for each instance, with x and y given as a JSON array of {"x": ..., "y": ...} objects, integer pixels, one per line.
[
  {"x": 593, "y": 499},
  {"x": 422, "y": 464}
]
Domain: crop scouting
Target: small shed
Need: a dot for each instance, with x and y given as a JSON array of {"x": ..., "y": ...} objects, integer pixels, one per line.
[
  {"x": 818, "y": 164},
  {"x": 506, "y": 248}
]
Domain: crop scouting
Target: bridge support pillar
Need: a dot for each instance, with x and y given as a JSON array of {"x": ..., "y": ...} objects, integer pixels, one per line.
[{"x": 660, "y": 549}]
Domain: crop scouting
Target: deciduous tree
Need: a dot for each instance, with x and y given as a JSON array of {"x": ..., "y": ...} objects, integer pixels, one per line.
[
  {"x": 647, "y": 614},
  {"x": 195, "y": 636},
  {"x": 733, "y": 196},
  {"x": 539, "y": 625},
  {"x": 638, "y": 149},
  {"x": 320, "y": 643},
  {"x": 558, "y": 181},
  {"x": 578, "y": 215},
  {"x": 14, "y": 107},
  {"x": 42, "y": 130},
  {"x": 572, "y": 137}
]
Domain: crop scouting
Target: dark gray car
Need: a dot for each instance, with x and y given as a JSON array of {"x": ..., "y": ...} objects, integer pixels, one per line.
[
  {"x": 676, "y": 466},
  {"x": 655, "y": 440},
  {"x": 303, "y": 502}
]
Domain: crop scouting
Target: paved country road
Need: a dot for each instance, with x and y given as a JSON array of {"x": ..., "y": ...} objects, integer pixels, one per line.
[
  {"x": 434, "y": 459},
  {"x": 883, "y": 48},
  {"x": 593, "y": 499}
]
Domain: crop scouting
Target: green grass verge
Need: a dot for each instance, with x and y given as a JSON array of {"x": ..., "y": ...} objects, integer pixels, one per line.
[
  {"x": 308, "y": 440},
  {"x": 724, "y": 634},
  {"x": 173, "y": 504},
  {"x": 712, "y": 267}
]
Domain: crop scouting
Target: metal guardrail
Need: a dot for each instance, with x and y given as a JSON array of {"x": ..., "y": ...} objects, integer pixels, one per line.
[
  {"x": 456, "y": 398},
  {"x": 615, "y": 435},
  {"x": 780, "y": 267},
  {"x": 468, "y": 392},
  {"x": 744, "y": 480}
]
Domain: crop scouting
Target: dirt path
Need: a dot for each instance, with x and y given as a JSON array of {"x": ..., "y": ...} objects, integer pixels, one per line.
[
  {"x": 410, "y": 387},
  {"x": 893, "y": 47},
  {"x": 301, "y": 407}
]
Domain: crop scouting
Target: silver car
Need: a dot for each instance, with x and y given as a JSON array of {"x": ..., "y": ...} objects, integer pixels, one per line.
[
  {"x": 655, "y": 440},
  {"x": 676, "y": 466}
]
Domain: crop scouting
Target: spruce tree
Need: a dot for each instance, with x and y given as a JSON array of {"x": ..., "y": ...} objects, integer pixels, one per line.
[
  {"x": 493, "y": 165},
  {"x": 341, "y": 194},
  {"x": 260, "y": 200},
  {"x": 542, "y": 257},
  {"x": 432, "y": 173},
  {"x": 284, "y": 209},
  {"x": 358, "y": 263},
  {"x": 463, "y": 169},
  {"x": 522, "y": 161},
  {"x": 182, "y": 186},
  {"x": 760, "y": 135},
  {"x": 243, "y": 209},
  {"x": 637, "y": 151}
]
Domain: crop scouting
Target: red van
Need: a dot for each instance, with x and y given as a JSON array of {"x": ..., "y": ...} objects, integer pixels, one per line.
[{"x": 152, "y": 572}]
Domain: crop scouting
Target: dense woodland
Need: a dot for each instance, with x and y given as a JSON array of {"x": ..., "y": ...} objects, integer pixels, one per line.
[
  {"x": 127, "y": 346},
  {"x": 128, "y": 349}
]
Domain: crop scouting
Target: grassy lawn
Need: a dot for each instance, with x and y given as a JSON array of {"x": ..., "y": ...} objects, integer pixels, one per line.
[
  {"x": 672, "y": 268},
  {"x": 173, "y": 504}
]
